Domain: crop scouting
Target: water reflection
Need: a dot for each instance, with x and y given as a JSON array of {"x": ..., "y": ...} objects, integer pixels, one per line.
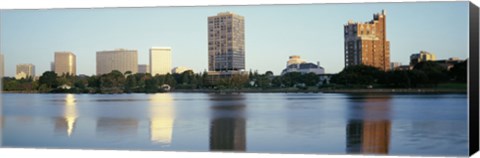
[
  {"x": 227, "y": 124},
  {"x": 369, "y": 131},
  {"x": 117, "y": 126},
  {"x": 67, "y": 121},
  {"x": 161, "y": 118}
]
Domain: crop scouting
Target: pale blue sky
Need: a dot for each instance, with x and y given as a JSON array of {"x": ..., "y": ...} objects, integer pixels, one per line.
[{"x": 272, "y": 33}]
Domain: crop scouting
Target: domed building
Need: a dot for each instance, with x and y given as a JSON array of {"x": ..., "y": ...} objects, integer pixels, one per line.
[{"x": 295, "y": 64}]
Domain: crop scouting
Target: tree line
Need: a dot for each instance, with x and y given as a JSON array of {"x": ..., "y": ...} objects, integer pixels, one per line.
[
  {"x": 427, "y": 74},
  {"x": 423, "y": 75}
]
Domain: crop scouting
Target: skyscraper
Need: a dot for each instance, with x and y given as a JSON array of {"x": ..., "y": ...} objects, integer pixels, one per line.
[
  {"x": 122, "y": 60},
  {"x": 160, "y": 60},
  {"x": 226, "y": 42},
  {"x": 65, "y": 63},
  {"x": 2, "y": 66},
  {"x": 366, "y": 43},
  {"x": 25, "y": 71}
]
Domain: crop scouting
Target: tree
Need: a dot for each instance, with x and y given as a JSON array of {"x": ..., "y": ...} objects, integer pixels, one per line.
[
  {"x": 170, "y": 80},
  {"x": 130, "y": 83},
  {"x": 112, "y": 82},
  {"x": 186, "y": 77},
  {"x": 205, "y": 79},
  {"x": 358, "y": 75},
  {"x": 310, "y": 79},
  {"x": 263, "y": 81},
  {"x": 49, "y": 78},
  {"x": 277, "y": 81},
  {"x": 434, "y": 71},
  {"x": 269, "y": 73},
  {"x": 418, "y": 78},
  {"x": 151, "y": 85},
  {"x": 459, "y": 72},
  {"x": 291, "y": 78},
  {"x": 397, "y": 79}
]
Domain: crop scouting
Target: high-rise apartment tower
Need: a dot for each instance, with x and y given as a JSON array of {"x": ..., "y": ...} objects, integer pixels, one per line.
[
  {"x": 226, "y": 42},
  {"x": 367, "y": 44}
]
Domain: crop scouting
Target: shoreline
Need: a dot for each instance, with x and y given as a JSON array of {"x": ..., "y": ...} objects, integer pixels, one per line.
[{"x": 378, "y": 91}]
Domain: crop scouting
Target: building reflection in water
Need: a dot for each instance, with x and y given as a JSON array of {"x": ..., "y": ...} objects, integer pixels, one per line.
[
  {"x": 369, "y": 132},
  {"x": 227, "y": 124},
  {"x": 162, "y": 116},
  {"x": 107, "y": 126},
  {"x": 66, "y": 123}
]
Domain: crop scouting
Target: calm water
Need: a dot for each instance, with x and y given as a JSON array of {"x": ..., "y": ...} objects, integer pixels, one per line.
[{"x": 273, "y": 123}]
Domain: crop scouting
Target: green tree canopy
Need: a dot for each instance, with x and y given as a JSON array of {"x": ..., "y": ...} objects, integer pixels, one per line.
[{"x": 49, "y": 78}]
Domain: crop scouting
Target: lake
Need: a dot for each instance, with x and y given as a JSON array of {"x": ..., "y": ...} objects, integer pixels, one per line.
[{"x": 309, "y": 123}]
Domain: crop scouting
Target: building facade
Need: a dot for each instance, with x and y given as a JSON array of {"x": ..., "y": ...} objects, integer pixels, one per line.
[
  {"x": 295, "y": 64},
  {"x": 143, "y": 68},
  {"x": 294, "y": 59},
  {"x": 160, "y": 60},
  {"x": 65, "y": 63},
  {"x": 226, "y": 42},
  {"x": 421, "y": 57},
  {"x": 122, "y": 60},
  {"x": 367, "y": 44},
  {"x": 25, "y": 71}
]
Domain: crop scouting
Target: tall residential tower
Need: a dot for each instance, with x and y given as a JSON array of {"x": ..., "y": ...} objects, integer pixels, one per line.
[
  {"x": 367, "y": 44},
  {"x": 160, "y": 60},
  {"x": 65, "y": 63},
  {"x": 122, "y": 60},
  {"x": 226, "y": 42}
]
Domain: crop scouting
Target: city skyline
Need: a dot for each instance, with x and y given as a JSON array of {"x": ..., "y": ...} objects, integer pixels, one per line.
[{"x": 431, "y": 26}]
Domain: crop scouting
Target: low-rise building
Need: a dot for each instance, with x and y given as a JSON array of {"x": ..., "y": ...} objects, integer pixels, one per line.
[
  {"x": 421, "y": 57},
  {"x": 295, "y": 64},
  {"x": 450, "y": 62}
]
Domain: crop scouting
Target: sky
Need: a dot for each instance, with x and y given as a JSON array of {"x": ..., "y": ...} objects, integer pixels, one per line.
[{"x": 272, "y": 33}]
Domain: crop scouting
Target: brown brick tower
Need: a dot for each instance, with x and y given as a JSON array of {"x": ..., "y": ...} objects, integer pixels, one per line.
[{"x": 367, "y": 44}]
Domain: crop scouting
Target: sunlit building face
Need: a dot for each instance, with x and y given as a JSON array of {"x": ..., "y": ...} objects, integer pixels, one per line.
[{"x": 70, "y": 113}]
